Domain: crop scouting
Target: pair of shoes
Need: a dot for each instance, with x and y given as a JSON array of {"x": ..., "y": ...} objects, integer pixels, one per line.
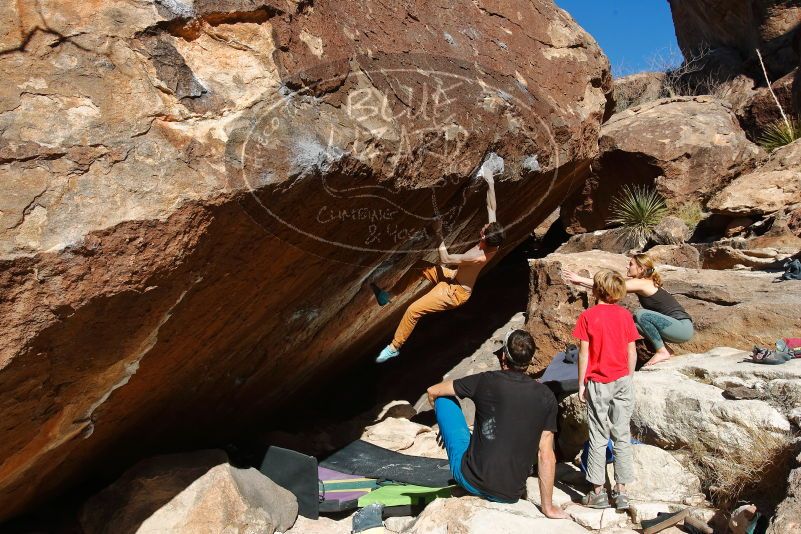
[
  {"x": 386, "y": 354},
  {"x": 621, "y": 500},
  {"x": 770, "y": 357},
  {"x": 596, "y": 500}
]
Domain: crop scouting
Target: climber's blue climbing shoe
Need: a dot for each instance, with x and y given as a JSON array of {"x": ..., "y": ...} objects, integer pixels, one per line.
[
  {"x": 381, "y": 296},
  {"x": 386, "y": 354}
]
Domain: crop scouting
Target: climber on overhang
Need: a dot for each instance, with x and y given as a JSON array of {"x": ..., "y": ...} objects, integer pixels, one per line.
[{"x": 453, "y": 286}]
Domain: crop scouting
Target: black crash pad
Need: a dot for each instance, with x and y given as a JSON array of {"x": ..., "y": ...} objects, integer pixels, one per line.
[{"x": 368, "y": 460}]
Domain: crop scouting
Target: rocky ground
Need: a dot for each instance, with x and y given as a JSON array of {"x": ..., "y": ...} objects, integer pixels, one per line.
[{"x": 682, "y": 418}]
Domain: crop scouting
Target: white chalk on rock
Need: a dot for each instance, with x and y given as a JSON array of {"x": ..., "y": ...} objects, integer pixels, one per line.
[{"x": 493, "y": 164}]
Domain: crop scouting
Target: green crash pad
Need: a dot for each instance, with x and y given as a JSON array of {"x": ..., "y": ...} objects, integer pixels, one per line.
[{"x": 404, "y": 495}]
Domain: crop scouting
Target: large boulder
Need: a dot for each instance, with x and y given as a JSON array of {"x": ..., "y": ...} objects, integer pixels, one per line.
[
  {"x": 472, "y": 515},
  {"x": 197, "y": 196},
  {"x": 774, "y": 186},
  {"x": 687, "y": 148},
  {"x": 734, "y": 29},
  {"x": 756, "y": 108},
  {"x": 680, "y": 403},
  {"x": 671, "y": 231},
  {"x": 636, "y": 89},
  {"x": 685, "y": 405},
  {"x": 612, "y": 240},
  {"x": 198, "y": 492},
  {"x": 741, "y": 307},
  {"x": 684, "y": 255},
  {"x": 722, "y": 256}
]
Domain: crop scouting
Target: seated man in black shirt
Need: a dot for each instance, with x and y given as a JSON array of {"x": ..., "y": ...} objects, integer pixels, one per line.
[{"x": 515, "y": 417}]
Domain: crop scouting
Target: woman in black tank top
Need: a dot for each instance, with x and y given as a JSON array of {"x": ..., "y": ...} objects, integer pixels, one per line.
[{"x": 661, "y": 317}]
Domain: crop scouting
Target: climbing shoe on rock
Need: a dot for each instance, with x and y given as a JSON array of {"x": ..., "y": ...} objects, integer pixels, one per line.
[
  {"x": 596, "y": 500},
  {"x": 386, "y": 354},
  {"x": 621, "y": 500}
]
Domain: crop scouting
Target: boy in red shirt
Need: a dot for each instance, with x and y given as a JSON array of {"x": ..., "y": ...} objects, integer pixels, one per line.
[{"x": 606, "y": 364}]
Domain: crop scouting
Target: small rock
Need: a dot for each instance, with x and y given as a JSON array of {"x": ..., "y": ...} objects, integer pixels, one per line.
[
  {"x": 323, "y": 525},
  {"x": 643, "y": 511},
  {"x": 703, "y": 514},
  {"x": 671, "y": 231},
  {"x": 683, "y": 255},
  {"x": 615, "y": 240},
  {"x": 404, "y": 436},
  {"x": 737, "y": 226},
  {"x": 596, "y": 519},
  {"x": 397, "y": 409},
  {"x": 398, "y": 524},
  {"x": 725, "y": 382},
  {"x": 784, "y": 392}
]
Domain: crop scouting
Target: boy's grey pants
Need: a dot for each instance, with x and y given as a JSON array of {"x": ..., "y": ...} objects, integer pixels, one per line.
[{"x": 609, "y": 410}]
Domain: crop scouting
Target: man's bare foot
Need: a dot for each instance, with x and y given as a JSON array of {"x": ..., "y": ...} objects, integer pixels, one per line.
[{"x": 662, "y": 355}]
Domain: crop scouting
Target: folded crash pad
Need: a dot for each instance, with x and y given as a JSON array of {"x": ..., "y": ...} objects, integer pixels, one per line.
[
  {"x": 296, "y": 473},
  {"x": 371, "y": 461},
  {"x": 340, "y": 491}
]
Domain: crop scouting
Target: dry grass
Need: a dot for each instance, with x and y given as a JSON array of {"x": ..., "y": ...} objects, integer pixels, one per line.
[
  {"x": 756, "y": 471},
  {"x": 690, "y": 76},
  {"x": 690, "y": 212}
]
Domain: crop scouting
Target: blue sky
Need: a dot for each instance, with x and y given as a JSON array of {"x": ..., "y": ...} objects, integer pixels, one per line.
[{"x": 636, "y": 35}]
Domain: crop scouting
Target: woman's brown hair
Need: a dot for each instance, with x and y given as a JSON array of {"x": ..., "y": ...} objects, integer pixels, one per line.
[{"x": 645, "y": 263}]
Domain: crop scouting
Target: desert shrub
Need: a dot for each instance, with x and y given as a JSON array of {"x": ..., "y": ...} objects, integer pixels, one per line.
[
  {"x": 758, "y": 469},
  {"x": 638, "y": 209},
  {"x": 779, "y": 134},
  {"x": 691, "y": 76},
  {"x": 690, "y": 212},
  {"x": 683, "y": 77}
]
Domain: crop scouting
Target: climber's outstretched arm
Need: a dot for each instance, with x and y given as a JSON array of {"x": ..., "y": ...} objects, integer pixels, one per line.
[{"x": 491, "y": 203}]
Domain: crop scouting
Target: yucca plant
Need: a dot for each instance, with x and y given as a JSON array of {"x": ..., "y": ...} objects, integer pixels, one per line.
[
  {"x": 780, "y": 133},
  {"x": 638, "y": 209}
]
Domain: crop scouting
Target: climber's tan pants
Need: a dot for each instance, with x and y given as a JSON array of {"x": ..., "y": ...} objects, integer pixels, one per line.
[{"x": 445, "y": 295}]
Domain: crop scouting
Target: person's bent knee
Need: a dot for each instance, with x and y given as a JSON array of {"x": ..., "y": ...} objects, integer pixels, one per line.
[
  {"x": 446, "y": 402},
  {"x": 415, "y": 311}
]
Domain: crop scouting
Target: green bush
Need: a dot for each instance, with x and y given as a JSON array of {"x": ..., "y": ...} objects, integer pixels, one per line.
[
  {"x": 779, "y": 134},
  {"x": 638, "y": 209}
]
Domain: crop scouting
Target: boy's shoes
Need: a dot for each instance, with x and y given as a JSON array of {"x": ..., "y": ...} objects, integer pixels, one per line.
[
  {"x": 596, "y": 500},
  {"x": 621, "y": 500},
  {"x": 386, "y": 354}
]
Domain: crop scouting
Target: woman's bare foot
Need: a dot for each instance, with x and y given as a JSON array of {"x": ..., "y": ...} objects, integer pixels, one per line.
[{"x": 662, "y": 355}]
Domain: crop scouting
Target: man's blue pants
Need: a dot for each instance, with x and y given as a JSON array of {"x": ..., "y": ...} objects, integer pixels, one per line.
[{"x": 456, "y": 436}]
